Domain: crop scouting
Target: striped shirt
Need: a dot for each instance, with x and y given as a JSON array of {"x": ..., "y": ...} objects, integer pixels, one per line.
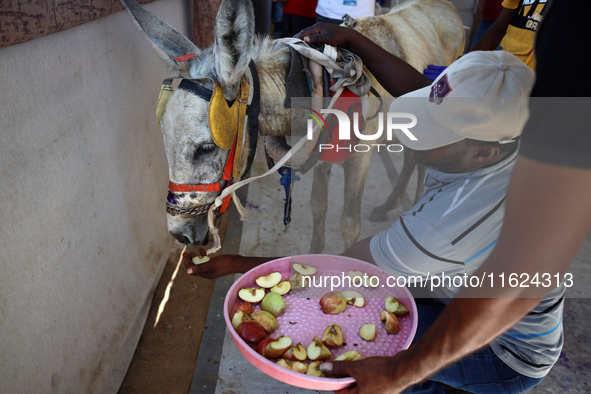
[{"x": 451, "y": 231}]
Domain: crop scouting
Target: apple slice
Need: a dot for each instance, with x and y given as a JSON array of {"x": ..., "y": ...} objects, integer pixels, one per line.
[
  {"x": 238, "y": 318},
  {"x": 394, "y": 305},
  {"x": 314, "y": 369},
  {"x": 266, "y": 320},
  {"x": 317, "y": 351},
  {"x": 246, "y": 307},
  {"x": 297, "y": 281},
  {"x": 268, "y": 281},
  {"x": 277, "y": 347},
  {"x": 296, "y": 366},
  {"x": 333, "y": 336},
  {"x": 284, "y": 363},
  {"x": 333, "y": 302},
  {"x": 296, "y": 353},
  {"x": 354, "y": 298},
  {"x": 282, "y": 287},
  {"x": 364, "y": 279},
  {"x": 260, "y": 348},
  {"x": 251, "y": 294},
  {"x": 368, "y": 331},
  {"x": 351, "y": 355},
  {"x": 200, "y": 260},
  {"x": 304, "y": 270},
  {"x": 273, "y": 303},
  {"x": 390, "y": 322},
  {"x": 251, "y": 331}
]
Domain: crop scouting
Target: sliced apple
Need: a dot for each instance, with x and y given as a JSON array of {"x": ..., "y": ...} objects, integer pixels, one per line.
[
  {"x": 314, "y": 369},
  {"x": 354, "y": 298},
  {"x": 364, "y": 279},
  {"x": 298, "y": 366},
  {"x": 251, "y": 331},
  {"x": 266, "y": 320},
  {"x": 296, "y": 353},
  {"x": 351, "y": 355},
  {"x": 200, "y": 260},
  {"x": 282, "y": 287},
  {"x": 317, "y": 350},
  {"x": 333, "y": 336},
  {"x": 372, "y": 281},
  {"x": 246, "y": 307},
  {"x": 284, "y": 363},
  {"x": 333, "y": 302},
  {"x": 390, "y": 322},
  {"x": 297, "y": 281},
  {"x": 277, "y": 347},
  {"x": 260, "y": 348},
  {"x": 268, "y": 281},
  {"x": 367, "y": 331},
  {"x": 394, "y": 305},
  {"x": 304, "y": 270},
  {"x": 238, "y": 318},
  {"x": 251, "y": 294}
]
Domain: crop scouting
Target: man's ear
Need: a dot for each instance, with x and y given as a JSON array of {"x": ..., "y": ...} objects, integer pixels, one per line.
[{"x": 485, "y": 153}]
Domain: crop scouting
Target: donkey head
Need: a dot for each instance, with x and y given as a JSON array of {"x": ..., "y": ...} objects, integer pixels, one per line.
[{"x": 195, "y": 157}]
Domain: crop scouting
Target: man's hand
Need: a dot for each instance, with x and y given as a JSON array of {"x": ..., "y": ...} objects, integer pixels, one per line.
[
  {"x": 222, "y": 265},
  {"x": 326, "y": 33},
  {"x": 214, "y": 268},
  {"x": 372, "y": 375}
]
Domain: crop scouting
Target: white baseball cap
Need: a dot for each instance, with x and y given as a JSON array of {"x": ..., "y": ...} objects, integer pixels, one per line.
[{"x": 482, "y": 96}]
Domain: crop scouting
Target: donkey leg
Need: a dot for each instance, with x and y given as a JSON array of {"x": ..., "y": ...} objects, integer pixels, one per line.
[
  {"x": 356, "y": 169},
  {"x": 380, "y": 213},
  {"x": 319, "y": 206}
]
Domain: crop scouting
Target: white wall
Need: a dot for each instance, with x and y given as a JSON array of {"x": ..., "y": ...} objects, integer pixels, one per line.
[{"x": 83, "y": 180}]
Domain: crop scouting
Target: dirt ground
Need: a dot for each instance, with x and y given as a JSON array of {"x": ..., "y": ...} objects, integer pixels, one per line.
[{"x": 165, "y": 358}]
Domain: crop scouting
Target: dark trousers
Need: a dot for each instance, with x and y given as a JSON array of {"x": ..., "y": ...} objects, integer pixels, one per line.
[{"x": 293, "y": 24}]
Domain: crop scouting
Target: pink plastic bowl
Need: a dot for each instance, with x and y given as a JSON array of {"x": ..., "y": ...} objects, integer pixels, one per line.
[{"x": 303, "y": 319}]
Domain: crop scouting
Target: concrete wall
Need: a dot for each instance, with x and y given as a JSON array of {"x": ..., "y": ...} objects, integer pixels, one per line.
[{"x": 83, "y": 180}]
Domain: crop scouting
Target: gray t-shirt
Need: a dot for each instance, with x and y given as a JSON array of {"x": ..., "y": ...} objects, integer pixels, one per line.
[{"x": 450, "y": 232}]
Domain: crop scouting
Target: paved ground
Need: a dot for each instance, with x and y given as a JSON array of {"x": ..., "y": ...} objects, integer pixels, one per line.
[{"x": 222, "y": 369}]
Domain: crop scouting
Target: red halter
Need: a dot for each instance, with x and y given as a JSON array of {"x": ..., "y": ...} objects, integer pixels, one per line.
[{"x": 210, "y": 187}]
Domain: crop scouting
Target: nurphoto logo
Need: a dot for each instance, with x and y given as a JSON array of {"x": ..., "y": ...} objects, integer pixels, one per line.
[{"x": 349, "y": 130}]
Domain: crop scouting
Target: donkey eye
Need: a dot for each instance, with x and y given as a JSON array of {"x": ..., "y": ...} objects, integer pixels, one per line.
[{"x": 204, "y": 149}]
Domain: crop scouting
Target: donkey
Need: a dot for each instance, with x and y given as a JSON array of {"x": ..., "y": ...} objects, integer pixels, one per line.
[{"x": 421, "y": 32}]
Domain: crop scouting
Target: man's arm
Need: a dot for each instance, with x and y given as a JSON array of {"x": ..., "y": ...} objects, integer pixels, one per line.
[
  {"x": 548, "y": 215},
  {"x": 393, "y": 73},
  {"x": 491, "y": 39}
]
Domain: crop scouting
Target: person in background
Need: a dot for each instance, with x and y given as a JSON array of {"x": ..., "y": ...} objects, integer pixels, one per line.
[
  {"x": 332, "y": 11},
  {"x": 514, "y": 29},
  {"x": 297, "y": 15},
  {"x": 486, "y": 13}
]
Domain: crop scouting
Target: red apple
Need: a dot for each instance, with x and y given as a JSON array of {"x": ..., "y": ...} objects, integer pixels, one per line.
[
  {"x": 333, "y": 302},
  {"x": 251, "y": 331}
]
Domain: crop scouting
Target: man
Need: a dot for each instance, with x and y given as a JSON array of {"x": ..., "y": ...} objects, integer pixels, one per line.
[
  {"x": 456, "y": 223},
  {"x": 514, "y": 29},
  {"x": 547, "y": 217}
]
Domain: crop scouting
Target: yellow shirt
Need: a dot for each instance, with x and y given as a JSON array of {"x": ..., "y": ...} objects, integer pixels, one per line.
[{"x": 519, "y": 38}]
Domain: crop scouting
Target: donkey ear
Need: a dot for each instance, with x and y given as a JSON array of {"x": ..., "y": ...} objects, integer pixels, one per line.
[
  {"x": 168, "y": 42},
  {"x": 234, "y": 41}
]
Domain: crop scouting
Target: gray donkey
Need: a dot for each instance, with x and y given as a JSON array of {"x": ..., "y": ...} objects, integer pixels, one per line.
[{"x": 197, "y": 139}]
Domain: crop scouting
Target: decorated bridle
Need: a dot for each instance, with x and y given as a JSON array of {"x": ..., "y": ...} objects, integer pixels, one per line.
[{"x": 229, "y": 124}]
